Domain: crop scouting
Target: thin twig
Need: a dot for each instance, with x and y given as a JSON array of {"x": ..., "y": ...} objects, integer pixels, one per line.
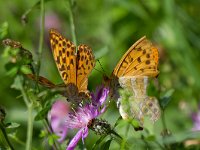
[
  {"x": 29, "y": 106},
  {"x": 41, "y": 40},
  {"x": 72, "y": 25}
]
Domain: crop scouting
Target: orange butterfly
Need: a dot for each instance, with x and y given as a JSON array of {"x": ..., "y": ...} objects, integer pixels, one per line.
[
  {"x": 141, "y": 59},
  {"x": 74, "y": 68},
  {"x": 131, "y": 73}
]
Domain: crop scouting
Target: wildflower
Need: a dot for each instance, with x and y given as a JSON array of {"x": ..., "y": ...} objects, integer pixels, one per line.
[
  {"x": 82, "y": 118},
  {"x": 57, "y": 118}
]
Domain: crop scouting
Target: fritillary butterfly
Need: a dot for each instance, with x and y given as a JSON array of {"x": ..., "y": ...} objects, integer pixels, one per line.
[
  {"x": 141, "y": 59},
  {"x": 74, "y": 68},
  {"x": 132, "y": 72}
]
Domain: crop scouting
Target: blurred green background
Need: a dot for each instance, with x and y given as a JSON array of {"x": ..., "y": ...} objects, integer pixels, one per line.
[{"x": 110, "y": 27}]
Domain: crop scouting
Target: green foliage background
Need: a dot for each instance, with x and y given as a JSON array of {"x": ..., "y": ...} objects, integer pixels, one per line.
[{"x": 110, "y": 27}]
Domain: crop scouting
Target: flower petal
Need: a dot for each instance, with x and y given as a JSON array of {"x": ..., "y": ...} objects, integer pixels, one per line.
[
  {"x": 99, "y": 97},
  {"x": 104, "y": 95},
  {"x": 83, "y": 132},
  {"x": 57, "y": 118}
]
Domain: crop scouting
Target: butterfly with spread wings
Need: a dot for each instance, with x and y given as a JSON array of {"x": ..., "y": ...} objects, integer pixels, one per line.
[{"x": 74, "y": 67}]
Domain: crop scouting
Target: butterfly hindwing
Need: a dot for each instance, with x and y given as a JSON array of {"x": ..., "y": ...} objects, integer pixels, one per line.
[{"x": 85, "y": 64}]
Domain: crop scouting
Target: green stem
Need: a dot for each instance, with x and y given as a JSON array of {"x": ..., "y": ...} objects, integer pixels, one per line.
[
  {"x": 50, "y": 131},
  {"x": 30, "y": 127},
  {"x": 29, "y": 106},
  {"x": 41, "y": 40},
  {"x": 72, "y": 25}
]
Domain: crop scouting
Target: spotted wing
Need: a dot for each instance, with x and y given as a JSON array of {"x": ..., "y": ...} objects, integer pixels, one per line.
[
  {"x": 42, "y": 81},
  {"x": 85, "y": 64},
  {"x": 140, "y": 60},
  {"x": 64, "y": 55}
]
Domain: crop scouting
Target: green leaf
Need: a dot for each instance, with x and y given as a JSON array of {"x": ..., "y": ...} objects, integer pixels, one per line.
[
  {"x": 106, "y": 145},
  {"x": 25, "y": 69},
  {"x": 17, "y": 83},
  {"x": 13, "y": 125},
  {"x": 3, "y": 30},
  {"x": 12, "y": 69},
  {"x": 6, "y": 52},
  {"x": 165, "y": 99},
  {"x": 52, "y": 138},
  {"x": 98, "y": 142},
  {"x": 43, "y": 133},
  {"x": 150, "y": 138},
  {"x": 134, "y": 123}
]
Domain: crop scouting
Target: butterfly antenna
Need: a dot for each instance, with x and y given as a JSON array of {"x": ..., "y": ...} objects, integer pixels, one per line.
[{"x": 101, "y": 66}]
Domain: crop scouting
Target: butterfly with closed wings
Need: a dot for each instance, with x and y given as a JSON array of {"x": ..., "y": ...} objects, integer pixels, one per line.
[{"x": 131, "y": 73}]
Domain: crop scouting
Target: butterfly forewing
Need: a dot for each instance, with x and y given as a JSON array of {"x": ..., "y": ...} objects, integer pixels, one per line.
[
  {"x": 65, "y": 57},
  {"x": 140, "y": 59},
  {"x": 85, "y": 64},
  {"x": 41, "y": 80}
]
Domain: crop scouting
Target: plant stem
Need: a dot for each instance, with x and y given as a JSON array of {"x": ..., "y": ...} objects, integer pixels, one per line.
[
  {"x": 72, "y": 25},
  {"x": 41, "y": 40},
  {"x": 30, "y": 127},
  {"x": 50, "y": 131},
  {"x": 29, "y": 106}
]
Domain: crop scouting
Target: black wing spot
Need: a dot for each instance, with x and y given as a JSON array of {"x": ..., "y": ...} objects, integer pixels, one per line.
[
  {"x": 148, "y": 62},
  {"x": 56, "y": 41},
  {"x": 64, "y": 43},
  {"x": 58, "y": 59},
  {"x": 62, "y": 68},
  {"x": 80, "y": 49},
  {"x": 68, "y": 67},
  {"x": 67, "y": 53},
  {"x": 139, "y": 59},
  {"x": 148, "y": 55},
  {"x": 72, "y": 62},
  {"x": 60, "y": 53},
  {"x": 63, "y": 50},
  {"x": 68, "y": 45},
  {"x": 139, "y": 49},
  {"x": 73, "y": 48},
  {"x": 82, "y": 58},
  {"x": 64, "y": 59}
]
